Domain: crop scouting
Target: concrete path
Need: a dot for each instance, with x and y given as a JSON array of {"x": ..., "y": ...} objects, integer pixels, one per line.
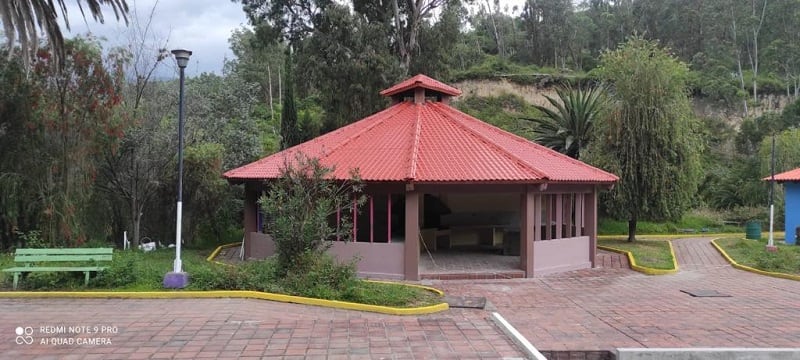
[
  {"x": 605, "y": 308},
  {"x": 239, "y": 328}
]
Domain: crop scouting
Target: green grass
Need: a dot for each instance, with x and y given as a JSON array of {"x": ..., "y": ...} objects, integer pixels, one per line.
[
  {"x": 144, "y": 271},
  {"x": 752, "y": 253},
  {"x": 697, "y": 221},
  {"x": 648, "y": 253}
]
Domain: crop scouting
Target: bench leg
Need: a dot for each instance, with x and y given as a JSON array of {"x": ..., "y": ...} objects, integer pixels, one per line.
[
  {"x": 86, "y": 278},
  {"x": 16, "y": 280}
]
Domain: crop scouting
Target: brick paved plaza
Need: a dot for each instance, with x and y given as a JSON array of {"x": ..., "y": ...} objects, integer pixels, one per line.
[{"x": 597, "y": 309}]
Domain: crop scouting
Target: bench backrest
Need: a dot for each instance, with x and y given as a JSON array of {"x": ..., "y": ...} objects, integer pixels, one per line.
[{"x": 55, "y": 255}]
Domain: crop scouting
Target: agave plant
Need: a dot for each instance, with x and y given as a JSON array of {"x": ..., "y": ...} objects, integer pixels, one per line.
[{"x": 567, "y": 125}]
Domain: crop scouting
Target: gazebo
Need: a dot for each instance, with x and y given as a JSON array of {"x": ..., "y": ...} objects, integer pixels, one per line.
[
  {"x": 440, "y": 181},
  {"x": 791, "y": 186}
]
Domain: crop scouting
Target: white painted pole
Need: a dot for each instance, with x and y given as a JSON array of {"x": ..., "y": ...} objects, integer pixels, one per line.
[
  {"x": 770, "y": 243},
  {"x": 771, "y": 223},
  {"x": 125, "y": 244},
  {"x": 177, "y": 266}
]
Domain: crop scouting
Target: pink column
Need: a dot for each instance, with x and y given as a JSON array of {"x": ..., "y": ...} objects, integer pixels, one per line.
[
  {"x": 250, "y": 216},
  {"x": 411, "y": 245},
  {"x": 527, "y": 229},
  {"x": 590, "y": 203},
  {"x": 568, "y": 215},
  {"x": 548, "y": 228},
  {"x": 578, "y": 214},
  {"x": 559, "y": 210},
  {"x": 537, "y": 217}
]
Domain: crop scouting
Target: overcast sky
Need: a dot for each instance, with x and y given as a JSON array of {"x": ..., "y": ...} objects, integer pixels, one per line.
[{"x": 202, "y": 26}]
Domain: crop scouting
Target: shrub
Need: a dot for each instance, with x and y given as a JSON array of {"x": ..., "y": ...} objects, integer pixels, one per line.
[
  {"x": 321, "y": 276},
  {"x": 122, "y": 272},
  {"x": 298, "y": 209}
]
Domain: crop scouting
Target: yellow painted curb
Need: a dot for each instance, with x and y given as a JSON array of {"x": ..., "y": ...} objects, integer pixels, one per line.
[
  {"x": 752, "y": 270},
  {"x": 217, "y": 251},
  {"x": 643, "y": 269},
  {"x": 680, "y": 236},
  {"x": 240, "y": 294}
]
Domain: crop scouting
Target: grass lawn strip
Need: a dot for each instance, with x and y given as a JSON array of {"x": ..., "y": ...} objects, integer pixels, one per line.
[
  {"x": 374, "y": 296},
  {"x": 652, "y": 257},
  {"x": 751, "y": 255}
]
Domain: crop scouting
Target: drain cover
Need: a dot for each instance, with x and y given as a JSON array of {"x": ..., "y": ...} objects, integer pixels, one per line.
[
  {"x": 705, "y": 293},
  {"x": 465, "y": 302}
]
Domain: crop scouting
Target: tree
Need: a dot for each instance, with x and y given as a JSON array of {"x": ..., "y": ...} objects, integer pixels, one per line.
[
  {"x": 290, "y": 20},
  {"x": 407, "y": 24},
  {"x": 76, "y": 118},
  {"x": 649, "y": 140},
  {"x": 346, "y": 62},
  {"x": 299, "y": 207},
  {"x": 567, "y": 125},
  {"x": 130, "y": 174},
  {"x": 289, "y": 131},
  {"x": 20, "y": 18}
]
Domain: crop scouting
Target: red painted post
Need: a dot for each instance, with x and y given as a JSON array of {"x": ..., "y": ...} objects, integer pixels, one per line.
[
  {"x": 338, "y": 221},
  {"x": 389, "y": 219},
  {"x": 371, "y": 220},
  {"x": 355, "y": 218}
]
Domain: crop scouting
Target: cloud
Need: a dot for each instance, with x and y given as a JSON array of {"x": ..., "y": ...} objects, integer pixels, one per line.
[{"x": 202, "y": 26}]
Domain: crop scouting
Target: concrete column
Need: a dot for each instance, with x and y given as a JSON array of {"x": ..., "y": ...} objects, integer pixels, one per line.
[
  {"x": 528, "y": 216},
  {"x": 590, "y": 221},
  {"x": 412, "y": 236},
  {"x": 250, "y": 215}
]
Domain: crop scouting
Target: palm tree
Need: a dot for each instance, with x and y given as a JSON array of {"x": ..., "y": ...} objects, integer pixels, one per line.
[
  {"x": 21, "y": 17},
  {"x": 567, "y": 126}
]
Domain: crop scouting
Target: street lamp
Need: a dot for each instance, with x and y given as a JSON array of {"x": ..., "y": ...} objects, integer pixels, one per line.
[{"x": 177, "y": 279}]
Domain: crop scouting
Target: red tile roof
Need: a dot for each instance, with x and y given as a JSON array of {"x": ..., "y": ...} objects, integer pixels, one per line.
[
  {"x": 791, "y": 175},
  {"x": 430, "y": 142},
  {"x": 423, "y": 82}
]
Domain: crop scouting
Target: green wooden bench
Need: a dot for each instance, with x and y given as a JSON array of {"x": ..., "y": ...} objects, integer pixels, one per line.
[{"x": 45, "y": 260}]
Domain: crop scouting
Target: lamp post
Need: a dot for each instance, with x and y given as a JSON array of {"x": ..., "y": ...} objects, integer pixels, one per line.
[{"x": 177, "y": 278}]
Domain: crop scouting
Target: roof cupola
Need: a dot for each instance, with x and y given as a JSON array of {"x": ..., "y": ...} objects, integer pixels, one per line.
[{"x": 419, "y": 88}]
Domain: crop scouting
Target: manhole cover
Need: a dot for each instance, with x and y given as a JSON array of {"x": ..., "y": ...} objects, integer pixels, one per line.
[
  {"x": 705, "y": 293},
  {"x": 465, "y": 302}
]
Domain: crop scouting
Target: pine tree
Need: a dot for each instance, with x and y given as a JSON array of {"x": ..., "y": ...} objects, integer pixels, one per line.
[{"x": 290, "y": 134}]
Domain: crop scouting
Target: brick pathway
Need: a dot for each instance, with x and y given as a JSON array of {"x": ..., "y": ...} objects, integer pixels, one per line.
[
  {"x": 242, "y": 328},
  {"x": 594, "y": 309},
  {"x": 697, "y": 254},
  {"x": 611, "y": 260},
  {"x": 604, "y": 308}
]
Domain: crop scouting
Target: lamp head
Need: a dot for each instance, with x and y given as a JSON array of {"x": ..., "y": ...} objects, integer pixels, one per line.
[{"x": 182, "y": 57}]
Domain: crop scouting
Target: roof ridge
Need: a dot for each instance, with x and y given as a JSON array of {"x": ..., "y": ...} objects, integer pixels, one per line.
[
  {"x": 415, "y": 148},
  {"x": 488, "y": 141},
  {"x": 518, "y": 138}
]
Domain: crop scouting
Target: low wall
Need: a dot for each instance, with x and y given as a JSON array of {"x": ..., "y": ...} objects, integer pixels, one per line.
[
  {"x": 258, "y": 246},
  {"x": 557, "y": 255},
  {"x": 377, "y": 260}
]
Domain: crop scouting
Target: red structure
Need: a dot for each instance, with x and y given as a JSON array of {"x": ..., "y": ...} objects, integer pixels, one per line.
[{"x": 441, "y": 180}]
